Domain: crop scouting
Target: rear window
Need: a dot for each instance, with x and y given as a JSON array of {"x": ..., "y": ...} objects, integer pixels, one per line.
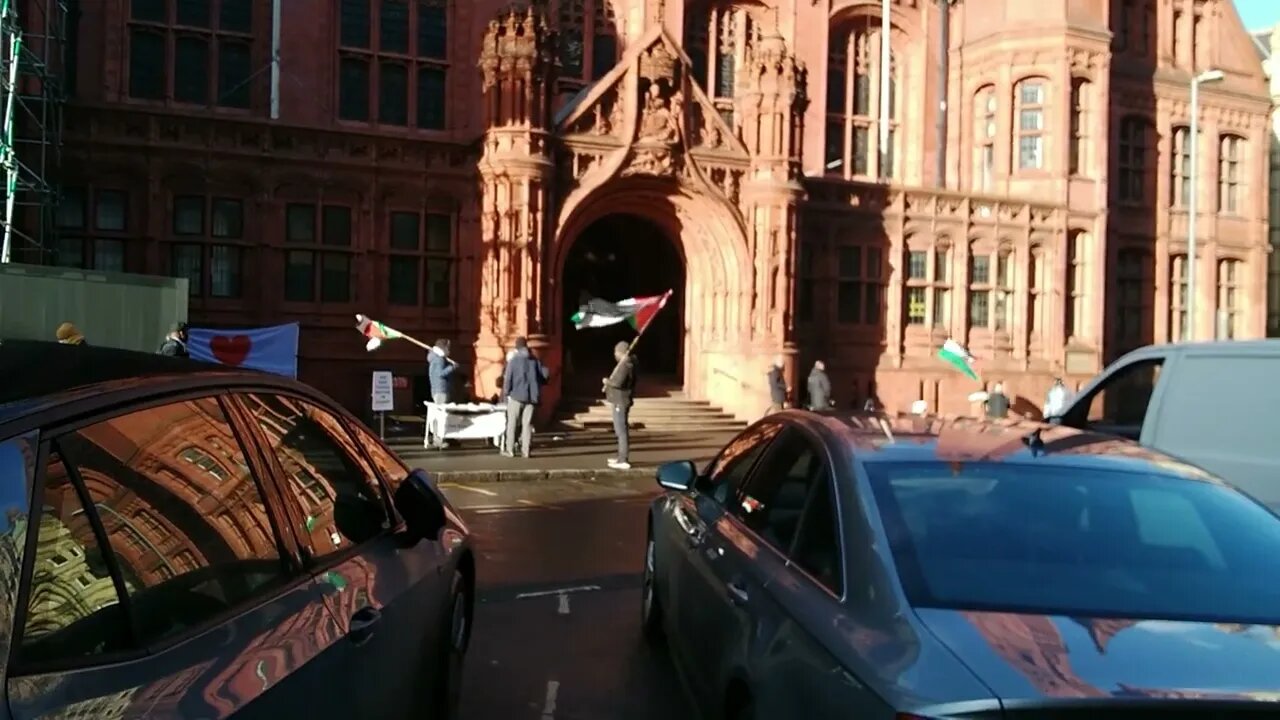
[{"x": 1061, "y": 541}]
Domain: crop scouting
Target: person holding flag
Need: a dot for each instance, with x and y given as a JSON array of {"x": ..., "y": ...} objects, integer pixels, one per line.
[{"x": 618, "y": 390}]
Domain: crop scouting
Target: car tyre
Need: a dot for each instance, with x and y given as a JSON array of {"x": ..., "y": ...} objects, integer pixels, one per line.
[
  {"x": 650, "y": 606},
  {"x": 455, "y": 637},
  {"x": 741, "y": 708}
]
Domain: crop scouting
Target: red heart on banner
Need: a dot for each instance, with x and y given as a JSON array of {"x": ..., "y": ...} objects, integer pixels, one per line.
[{"x": 230, "y": 349}]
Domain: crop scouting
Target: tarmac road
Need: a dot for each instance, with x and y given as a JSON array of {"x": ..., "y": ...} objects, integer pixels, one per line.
[{"x": 557, "y": 625}]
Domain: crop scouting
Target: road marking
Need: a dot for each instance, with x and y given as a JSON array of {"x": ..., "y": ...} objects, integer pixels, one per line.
[
  {"x": 490, "y": 509},
  {"x": 564, "y": 603},
  {"x": 557, "y": 591},
  {"x": 482, "y": 491},
  {"x": 549, "y": 705}
]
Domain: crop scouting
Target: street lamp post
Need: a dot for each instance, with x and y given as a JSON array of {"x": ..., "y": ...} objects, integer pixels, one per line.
[{"x": 1193, "y": 203}]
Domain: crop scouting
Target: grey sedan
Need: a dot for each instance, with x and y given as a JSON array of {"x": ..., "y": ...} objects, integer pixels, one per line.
[{"x": 838, "y": 567}]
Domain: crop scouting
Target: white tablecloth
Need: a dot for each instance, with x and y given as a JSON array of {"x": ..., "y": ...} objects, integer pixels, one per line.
[{"x": 465, "y": 421}]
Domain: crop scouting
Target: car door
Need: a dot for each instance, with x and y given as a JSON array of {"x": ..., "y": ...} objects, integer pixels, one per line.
[
  {"x": 388, "y": 599},
  {"x": 692, "y": 514},
  {"x": 1120, "y": 403},
  {"x": 161, "y": 585}
]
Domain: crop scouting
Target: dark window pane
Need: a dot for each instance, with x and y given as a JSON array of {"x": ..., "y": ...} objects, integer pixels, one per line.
[
  {"x": 402, "y": 280},
  {"x": 980, "y": 270},
  {"x": 405, "y": 233},
  {"x": 393, "y": 94},
  {"x": 194, "y": 13},
  {"x": 861, "y": 150},
  {"x": 335, "y": 277},
  {"x": 833, "y": 154},
  {"x": 108, "y": 255},
  {"x": 71, "y": 52},
  {"x": 433, "y": 30},
  {"x": 69, "y": 252},
  {"x": 850, "y": 261},
  {"x": 224, "y": 271},
  {"x": 324, "y": 471},
  {"x": 571, "y": 53},
  {"x": 71, "y": 208},
  {"x": 439, "y": 233},
  {"x": 183, "y": 515},
  {"x": 300, "y": 276},
  {"x": 438, "y": 292},
  {"x": 228, "y": 218},
  {"x": 300, "y": 223},
  {"x": 725, "y": 67},
  {"x": 849, "y": 302},
  {"x": 917, "y": 265},
  {"x": 191, "y": 71},
  {"x": 861, "y": 95},
  {"x": 353, "y": 89},
  {"x": 726, "y": 474},
  {"x": 188, "y": 215},
  {"x": 836, "y": 80},
  {"x": 185, "y": 261},
  {"x": 778, "y": 491},
  {"x": 393, "y": 26},
  {"x": 604, "y": 54},
  {"x": 148, "y": 10},
  {"x": 431, "y": 98},
  {"x": 110, "y": 211},
  {"x": 146, "y": 65},
  {"x": 236, "y": 16},
  {"x": 872, "y": 316},
  {"x": 234, "y": 70},
  {"x": 337, "y": 225},
  {"x": 74, "y": 609},
  {"x": 355, "y": 23}
]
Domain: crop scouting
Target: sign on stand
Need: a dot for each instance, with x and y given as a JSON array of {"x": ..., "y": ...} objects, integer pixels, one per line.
[{"x": 383, "y": 398}]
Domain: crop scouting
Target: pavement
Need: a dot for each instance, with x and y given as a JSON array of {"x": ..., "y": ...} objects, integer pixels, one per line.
[
  {"x": 557, "y": 622},
  {"x": 563, "y": 454}
]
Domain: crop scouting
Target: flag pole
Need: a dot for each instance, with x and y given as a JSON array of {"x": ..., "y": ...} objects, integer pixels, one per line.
[{"x": 632, "y": 345}]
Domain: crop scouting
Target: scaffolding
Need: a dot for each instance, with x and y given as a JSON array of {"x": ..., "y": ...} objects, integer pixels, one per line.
[{"x": 32, "y": 94}]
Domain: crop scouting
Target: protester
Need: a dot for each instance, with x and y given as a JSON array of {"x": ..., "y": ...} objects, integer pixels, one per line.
[
  {"x": 618, "y": 390},
  {"x": 69, "y": 334},
  {"x": 819, "y": 387},
  {"x": 522, "y": 382},
  {"x": 1055, "y": 401},
  {"x": 777, "y": 387},
  {"x": 997, "y": 402},
  {"x": 440, "y": 369},
  {"x": 175, "y": 343}
]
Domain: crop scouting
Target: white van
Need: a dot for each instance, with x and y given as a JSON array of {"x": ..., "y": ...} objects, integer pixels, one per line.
[{"x": 1214, "y": 404}]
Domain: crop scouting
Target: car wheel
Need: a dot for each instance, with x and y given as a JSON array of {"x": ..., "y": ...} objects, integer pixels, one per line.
[
  {"x": 742, "y": 708},
  {"x": 651, "y": 608},
  {"x": 455, "y": 636}
]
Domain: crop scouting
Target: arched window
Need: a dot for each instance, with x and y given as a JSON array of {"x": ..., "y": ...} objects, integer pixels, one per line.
[
  {"x": 1131, "y": 161},
  {"x": 1081, "y": 99},
  {"x": 588, "y": 40},
  {"x": 928, "y": 281},
  {"x": 1030, "y": 98},
  {"x": 1229, "y": 278},
  {"x": 1177, "y": 298},
  {"x": 984, "y": 138},
  {"x": 1230, "y": 174},
  {"x": 1180, "y": 168},
  {"x": 1077, "y": 283},
  {"x": 853, "y": 147},
  {"x": 718, "y": 39}
]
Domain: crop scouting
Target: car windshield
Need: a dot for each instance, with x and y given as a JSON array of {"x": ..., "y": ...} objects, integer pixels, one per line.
[{"x": 1078, "y": 542}]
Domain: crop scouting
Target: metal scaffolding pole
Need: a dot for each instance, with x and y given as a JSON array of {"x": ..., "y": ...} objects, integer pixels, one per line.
[{"x": 32, "y": 94}]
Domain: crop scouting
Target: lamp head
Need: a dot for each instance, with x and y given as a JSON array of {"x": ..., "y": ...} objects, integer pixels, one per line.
[{"x": 1209, "y": 76}]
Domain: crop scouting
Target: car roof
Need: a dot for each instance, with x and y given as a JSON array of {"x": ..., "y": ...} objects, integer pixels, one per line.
[
  {"x": 39, "y": 374},
  {"x": 914, "y": 438}
]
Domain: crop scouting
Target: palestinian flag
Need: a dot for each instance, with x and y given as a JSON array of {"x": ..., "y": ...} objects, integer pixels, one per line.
[
  {"x": 375, "y": 331},
  {"x": 955, "y": 355},
  {"x": 638, "y": 311}
]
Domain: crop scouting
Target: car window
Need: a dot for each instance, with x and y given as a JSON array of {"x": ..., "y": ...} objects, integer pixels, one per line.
[
  {"x": 817, "y": 547},
  {"x": 393, "y": 471},
  {"x": 776, "y": 495},
  {"x": 338, "y": 501},
  {"x": 726, "y": 473},
  {"x": 1079, "y": 542},
  {"x": 1123, "y": 398},
  {"x": 184, "y": 518}
]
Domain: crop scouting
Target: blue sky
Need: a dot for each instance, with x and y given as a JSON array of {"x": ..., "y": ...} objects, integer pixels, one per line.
[{"x": 1258, "y": 14}]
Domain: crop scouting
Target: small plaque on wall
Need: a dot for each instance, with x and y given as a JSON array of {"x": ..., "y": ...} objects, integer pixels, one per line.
[{"x": 1081, "y": 362}]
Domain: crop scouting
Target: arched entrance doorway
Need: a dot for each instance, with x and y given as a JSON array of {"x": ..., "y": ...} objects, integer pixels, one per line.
[{"x": 620, "y": 256}]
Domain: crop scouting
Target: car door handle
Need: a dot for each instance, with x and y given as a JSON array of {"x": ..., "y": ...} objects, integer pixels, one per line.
[
  {"x": 363, "y": 623},
  {"x": 737, "y": 594}
]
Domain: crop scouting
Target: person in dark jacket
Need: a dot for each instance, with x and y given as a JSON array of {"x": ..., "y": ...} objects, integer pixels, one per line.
[
  {"x": 440, "y": 369},
  {"x": 997, "y": 403},
  {"x": 522, "y": 382},
  {"x": 175, "y": 343},
  {"x": 777, "y": 387},
  {"x": 819, "y": 387},
  {"x": 619, "y": 388}
]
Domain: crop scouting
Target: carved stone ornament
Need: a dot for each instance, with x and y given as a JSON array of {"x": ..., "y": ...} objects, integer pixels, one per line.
[
  {"x": 657, "y": 63},
  {"x": 650, "y": 161},
  {"x": 660, "y": 121}
]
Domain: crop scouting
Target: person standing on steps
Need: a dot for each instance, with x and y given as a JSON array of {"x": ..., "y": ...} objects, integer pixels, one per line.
[
  {"x": 618, "y": 390},
  {"x": 777, "y": 387},
  {"x": 819, "y": 387},
  {"x": 522, "y": 382}
]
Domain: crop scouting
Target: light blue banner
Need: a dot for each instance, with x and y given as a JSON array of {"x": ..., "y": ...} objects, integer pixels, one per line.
[{"x": 269, "y": 349}]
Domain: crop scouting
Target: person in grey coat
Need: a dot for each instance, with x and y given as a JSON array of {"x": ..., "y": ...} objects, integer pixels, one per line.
[
  {"x": 819, "y": 387},
  {"x": 522, "y": 383},
  {"x": 777, "y": 387},
  {"x": 619, "y": 388},
  {"x": 440, "y": 369}
]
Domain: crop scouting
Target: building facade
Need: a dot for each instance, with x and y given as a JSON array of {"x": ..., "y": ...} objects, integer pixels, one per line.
[
  {"x": 1268, "y": 42},
  {"x": 1017, "y": 178}
]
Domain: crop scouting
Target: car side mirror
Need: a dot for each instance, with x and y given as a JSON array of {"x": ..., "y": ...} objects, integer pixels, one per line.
[
  {"x": 678, "y": 475},
  {"x": 419, "y": 504}
]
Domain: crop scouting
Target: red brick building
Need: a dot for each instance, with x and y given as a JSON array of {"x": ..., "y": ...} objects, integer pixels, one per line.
[{"x": 457, "y": 171}]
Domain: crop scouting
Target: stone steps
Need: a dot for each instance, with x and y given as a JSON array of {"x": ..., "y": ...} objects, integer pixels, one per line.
[{"x": 664, "y": 409}]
